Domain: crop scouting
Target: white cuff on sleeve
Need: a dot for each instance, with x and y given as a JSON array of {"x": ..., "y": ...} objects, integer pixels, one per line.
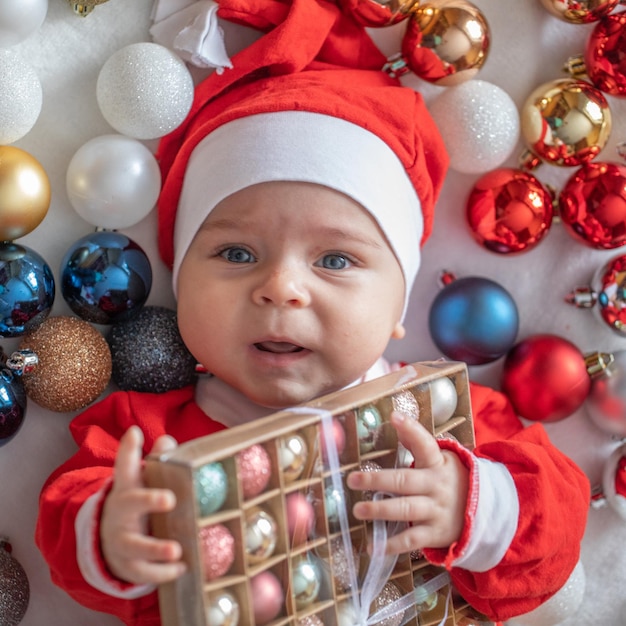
[
  {"x": 87, "y": 554},
  {"x": 496, "y": 518}
]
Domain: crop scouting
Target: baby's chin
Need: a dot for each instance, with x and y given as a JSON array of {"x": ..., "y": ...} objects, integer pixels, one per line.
[{"x": 287, "y": 396}]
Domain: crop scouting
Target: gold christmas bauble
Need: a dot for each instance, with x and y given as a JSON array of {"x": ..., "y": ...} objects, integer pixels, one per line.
[
  {"x": 74, "y": 365},
  {"x": 566, "y": 122},
  {"x": 24, "y": 193},
  {"x": 580, "y": 11}
]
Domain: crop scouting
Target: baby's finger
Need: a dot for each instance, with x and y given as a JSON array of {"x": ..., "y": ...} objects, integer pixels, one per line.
[
  {"x": 413, "y": 436},
  {"x": 416, "y": 509},
  {"x": 146, "y": 572},
  {"x": 127, "y": 470},
  {"x": 137, "y": 547},
  {"x": 400, "y": 482},
  {"x": 132, "y": 504},
  {"x": 165, "y": 443}
]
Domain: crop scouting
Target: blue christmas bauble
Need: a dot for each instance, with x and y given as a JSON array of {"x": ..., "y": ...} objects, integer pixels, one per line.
[
  {"x": 12, "y": 405},
  {"x": 474, "y": 320},
  {"x": 105, "y": 277},
  {"x": 26, "y": 289}
]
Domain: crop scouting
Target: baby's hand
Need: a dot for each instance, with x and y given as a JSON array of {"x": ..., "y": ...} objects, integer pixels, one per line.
[
  {"x": 431, "y": 496},
  {"x": 129, "y": 551}
]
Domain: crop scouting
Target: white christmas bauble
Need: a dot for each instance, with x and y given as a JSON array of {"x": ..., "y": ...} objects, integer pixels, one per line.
[
  {"x": 560, "y": 606},
  {"x": 479, "y": 123},
  {"x": 19, "y": 19},
  {"x": 443, "y": 399},
  {"x": 21, "y": 97},
  {"x": 113, "y": 181},
  {"x": 144, "y": 90}
]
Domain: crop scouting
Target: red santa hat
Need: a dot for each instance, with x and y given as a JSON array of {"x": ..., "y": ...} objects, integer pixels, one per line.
[{"x": 308, "y": 101}]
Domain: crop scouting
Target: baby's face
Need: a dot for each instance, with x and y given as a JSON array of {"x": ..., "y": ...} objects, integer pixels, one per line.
[{"x": 289, "y": 291}]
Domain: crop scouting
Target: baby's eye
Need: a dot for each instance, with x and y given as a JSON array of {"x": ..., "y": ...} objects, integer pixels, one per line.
[
  {"x": 236, "y": 254},
  {"x": 334, "y": 262}
]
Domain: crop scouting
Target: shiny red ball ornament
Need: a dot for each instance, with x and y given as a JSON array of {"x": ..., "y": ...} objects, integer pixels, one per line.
[
  {"x": 377, "y": 13},
  {"x": 509, "y": 210},
  {"x": 592, "y": 205},
  {"x": 545, "y": 377},
  {"x": 605, "y": 55}
]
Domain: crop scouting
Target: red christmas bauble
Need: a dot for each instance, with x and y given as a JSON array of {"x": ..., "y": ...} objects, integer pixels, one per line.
[
  {"x": 605, "y": 60},
  {"x": 592, "y": 205},
  {"x": 545, "y": 377},
  {"x": 509, "y": 210}
]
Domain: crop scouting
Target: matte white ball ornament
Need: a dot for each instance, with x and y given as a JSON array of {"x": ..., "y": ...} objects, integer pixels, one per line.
[
  {"x": 19, "y": 19},
  {"x": 144, "y": 90},
  {"x": 113, "y": 181},
  {"x": 21, "y": 97},
  {"x": 479, "y": 123}
]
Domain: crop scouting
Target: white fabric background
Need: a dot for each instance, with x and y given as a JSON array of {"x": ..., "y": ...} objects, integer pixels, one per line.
[{"x": 529, "y": 47}]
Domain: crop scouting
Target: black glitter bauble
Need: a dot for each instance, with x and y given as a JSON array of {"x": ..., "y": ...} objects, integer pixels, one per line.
[
  {"x": 14, "y": 588},
  {"x": 148, "y": 353}
]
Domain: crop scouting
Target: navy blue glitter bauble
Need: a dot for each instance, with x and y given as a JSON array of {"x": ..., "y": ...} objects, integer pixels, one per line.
[
  {"x": 12, "y": 405},
  {"x": 148, "y": 353},
  {"x": 105, "y": 278},
  {"x": 474, "y": 320},
  {"x": 26, "y": 289}
]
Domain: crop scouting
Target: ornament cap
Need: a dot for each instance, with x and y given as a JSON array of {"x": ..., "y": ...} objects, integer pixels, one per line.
[
  {"x": 582, "y": 298},
  {"x": 529, "y": 161},
  {"x": 597, "y": 363},
  {"x": 575, "y": 66},
  {"x": 22, "y": 362}
]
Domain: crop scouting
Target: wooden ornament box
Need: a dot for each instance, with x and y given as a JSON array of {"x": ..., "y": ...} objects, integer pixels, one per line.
[{"x": 185, "y": 601}]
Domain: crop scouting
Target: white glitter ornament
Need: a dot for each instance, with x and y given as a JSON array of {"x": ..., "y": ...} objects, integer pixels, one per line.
[
  {"x": 20, "y": 97},
  {"x": 479, "y": 123},
  {"x": 20, "y": 19},
  {"x": 560, "y": 606},
  {"x": 144, "y": 90}
]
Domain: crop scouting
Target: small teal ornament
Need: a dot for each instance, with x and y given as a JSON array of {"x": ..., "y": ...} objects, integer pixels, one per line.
[
  {"x": 473, "y": 319},
  {"x": 368, "y": 423},
  {"x": 211, "y": 487},
  {"x": 105, "y": 277},
  {"x": 27, "y": 289}
]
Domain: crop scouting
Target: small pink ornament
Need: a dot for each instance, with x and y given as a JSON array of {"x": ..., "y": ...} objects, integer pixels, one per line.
[
  {"x": 300, "y": 517},
  {"x": 310, "y": 620},
  {"x": 339, "y": 437},
  {"x": 254, "y": 470},
  {"x": 389, "y": 594},
  {"x": 267, "y": 596},
  {"x": 217, "y": 547}
]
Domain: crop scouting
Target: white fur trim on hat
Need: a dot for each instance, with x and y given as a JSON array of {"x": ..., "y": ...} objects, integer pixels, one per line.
[{"x": 305, "y": 147}]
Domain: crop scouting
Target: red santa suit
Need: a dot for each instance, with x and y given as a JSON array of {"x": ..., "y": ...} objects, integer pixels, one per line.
[{"x": 525, "y": 515}]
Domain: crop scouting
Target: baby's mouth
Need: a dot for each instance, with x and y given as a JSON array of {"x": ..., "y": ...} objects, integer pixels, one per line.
[{"x": 278, "y": 347}]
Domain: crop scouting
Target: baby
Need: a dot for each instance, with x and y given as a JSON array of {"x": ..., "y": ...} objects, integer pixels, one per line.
[{"x": 296, "y": 198}]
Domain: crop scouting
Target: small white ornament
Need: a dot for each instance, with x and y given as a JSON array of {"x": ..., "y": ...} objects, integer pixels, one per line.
[
  {"x": 479, "y": 123},
  {"x": 443, "y": 399},
  {"x": 21, "y": 97},
  {"x": 113, "y": 181},
  {"x": 144, "y": 90},
  {"x": 19, "y": 19}
]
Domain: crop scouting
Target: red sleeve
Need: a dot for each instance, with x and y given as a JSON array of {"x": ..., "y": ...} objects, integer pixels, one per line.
[
  {"x": 97, "y": 432},
  {"x": 554, "y": 497}
]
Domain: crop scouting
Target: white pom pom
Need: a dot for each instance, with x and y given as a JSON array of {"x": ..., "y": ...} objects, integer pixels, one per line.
[
  {"x": 479, "y": 124},
  {"x": 19, "y": 19},
  {"x": 20, "y": 97},
  {"x": 144, "y": 90},
  {"x": 560, "y": 606}
]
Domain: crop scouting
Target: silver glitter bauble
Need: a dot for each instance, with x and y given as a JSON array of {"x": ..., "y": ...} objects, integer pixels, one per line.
[
  {"x": 14, "y": 588},
  {"x": 148, "y": 353}
]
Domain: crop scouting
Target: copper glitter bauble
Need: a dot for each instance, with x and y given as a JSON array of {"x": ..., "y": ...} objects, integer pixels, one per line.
[
  {"x": 566, "y": 122},
  {"x": 509, "y": 210},
  {"x": 377, "y": 13},
  {"x": 217, "y": 547},
  {"x": 592, "y": 205},
  {"x": 446, "y": 42},
  {"x": 74, "y": 364},
  {"x": 24, "y": 193},
  {"x": 14, "y": 587},
  {"x": 605, "y": 61},
  {"x": 579, "y": 11},
  {"x": 389, "y": 594}
]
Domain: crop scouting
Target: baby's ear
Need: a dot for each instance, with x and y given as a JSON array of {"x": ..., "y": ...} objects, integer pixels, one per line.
[{"x": 398, "y": 331}]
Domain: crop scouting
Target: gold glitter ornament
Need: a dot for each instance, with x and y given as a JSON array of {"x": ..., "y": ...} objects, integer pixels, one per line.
[
  {"x": 74, "y": 364},
  {"x": 566, "y": 122},
  {"x": 85, "y": 7},
  {"x": 24, "y": 193}
]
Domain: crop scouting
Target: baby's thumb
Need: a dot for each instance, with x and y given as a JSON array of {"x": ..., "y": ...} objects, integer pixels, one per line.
[{"x": 165, "y": 443}]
